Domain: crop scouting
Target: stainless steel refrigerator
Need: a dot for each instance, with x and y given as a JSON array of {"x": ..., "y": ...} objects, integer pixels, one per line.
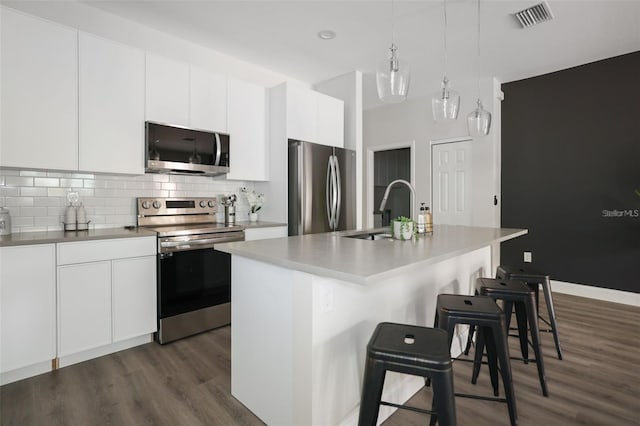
[{"x": 322, "y": 185}]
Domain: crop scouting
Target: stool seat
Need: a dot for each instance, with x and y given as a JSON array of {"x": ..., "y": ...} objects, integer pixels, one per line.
[
  {"x": 535, "y": 279},
  {"x": 411, "y": 345},
  {"x": 470, "y": 307},
  {"x": 408, "y": 349}
]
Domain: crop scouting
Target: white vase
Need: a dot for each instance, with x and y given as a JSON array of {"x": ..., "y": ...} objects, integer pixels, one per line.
[
  {"x": 405, "y": 234},
  {"x": 253, "y": 217}
]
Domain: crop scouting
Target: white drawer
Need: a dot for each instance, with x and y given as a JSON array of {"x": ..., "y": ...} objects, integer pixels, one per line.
[
  {"x": 97, "y": 250},
  {"x": 251, "y": 234}
]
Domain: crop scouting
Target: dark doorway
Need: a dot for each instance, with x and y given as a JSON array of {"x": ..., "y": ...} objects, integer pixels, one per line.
[{"x": 388, "y": 166}]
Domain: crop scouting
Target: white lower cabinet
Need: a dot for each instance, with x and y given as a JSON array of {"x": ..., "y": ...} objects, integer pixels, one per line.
[
  {"x": 106, "y": 295},
  {"x": 27, "y": 307},
  {"x": 133, "y": 297},
  {"x": 252, "y": 234},
  {"x": 84, "y": 307}
]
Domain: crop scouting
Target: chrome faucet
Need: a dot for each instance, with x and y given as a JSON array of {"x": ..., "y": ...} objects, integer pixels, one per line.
[{"x": 386, "y": 195}]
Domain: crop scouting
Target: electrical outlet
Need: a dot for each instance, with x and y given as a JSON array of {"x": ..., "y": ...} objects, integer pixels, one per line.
[{"x": 527, "y": 257}]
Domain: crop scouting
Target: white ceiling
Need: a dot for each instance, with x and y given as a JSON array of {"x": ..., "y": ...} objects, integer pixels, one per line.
[{"x": 282, "y": 35}]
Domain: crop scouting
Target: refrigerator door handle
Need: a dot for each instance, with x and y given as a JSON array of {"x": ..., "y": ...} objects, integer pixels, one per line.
[
  {"x": 329, "y": 192},
  {"x": 334, "y": 192},
  {"x": 338, "y": 192}
]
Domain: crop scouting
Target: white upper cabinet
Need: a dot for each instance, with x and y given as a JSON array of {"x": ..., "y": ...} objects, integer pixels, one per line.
[
  {"x": 167, "y": 94},
  {"x": 330, "y": 120},
  {"x": 111, "y": 91},
  {"x": 39, "y": 80},
  {"x": 185, "y": 95},
  {"x": 302, "y": 123},
  {"x": 313, "y": 116},
  {"x": 247, "y": 125},
  {"x": 208, "y": 100}
]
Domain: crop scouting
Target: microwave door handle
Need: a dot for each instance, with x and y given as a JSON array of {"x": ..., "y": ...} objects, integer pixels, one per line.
[{"x": 218, "y": 149}]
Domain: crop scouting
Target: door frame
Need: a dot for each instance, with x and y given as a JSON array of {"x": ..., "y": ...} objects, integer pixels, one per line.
[
  {"x": 441, "y": 142},
  {"x": 370, "y": 164}
]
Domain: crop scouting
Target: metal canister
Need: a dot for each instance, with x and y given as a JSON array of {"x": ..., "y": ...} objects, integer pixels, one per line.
[{"x": 5, "y": 221}]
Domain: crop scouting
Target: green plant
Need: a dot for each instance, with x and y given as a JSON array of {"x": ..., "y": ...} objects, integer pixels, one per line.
[{"x": 404, "y": 227}]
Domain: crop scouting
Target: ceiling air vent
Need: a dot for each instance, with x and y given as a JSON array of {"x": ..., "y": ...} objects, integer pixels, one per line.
[{"x": 534, "y": 15}]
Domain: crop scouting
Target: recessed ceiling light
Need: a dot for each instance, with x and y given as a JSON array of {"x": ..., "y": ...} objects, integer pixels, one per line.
[{"x": 327, "y": 34}]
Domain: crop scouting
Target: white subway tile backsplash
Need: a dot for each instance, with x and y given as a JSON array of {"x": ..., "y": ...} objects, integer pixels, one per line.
[
  {"x": 71, "y": 183},
  {"x": 32, "y": 173},
  {"x": 57, "y": 192},
  {"x": 37, "y": 199},
  {"x": 18, "y": 181},
  {"x": 46, "y": 182},
  {"x": 33, "y": 192},
  {"x": 33, "y": 211},
  {"x": 9, "y": 191}
]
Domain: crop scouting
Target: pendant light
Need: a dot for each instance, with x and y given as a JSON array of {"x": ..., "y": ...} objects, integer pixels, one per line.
[
  {"x": 445, "y": 103},
  {"x": 393, "y": 76},
  {"x": 479, "y": 120}
]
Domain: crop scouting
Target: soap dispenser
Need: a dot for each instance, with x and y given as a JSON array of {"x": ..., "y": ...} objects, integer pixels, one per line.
[
  {"x": 422, "y": 219},
  {"x": 428, "y": 219}
]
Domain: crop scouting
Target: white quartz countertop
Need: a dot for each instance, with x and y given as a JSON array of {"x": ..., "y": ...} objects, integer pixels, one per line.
[
  {"x": 46, "y": 237},
  {"x": 364, "y": 261}
]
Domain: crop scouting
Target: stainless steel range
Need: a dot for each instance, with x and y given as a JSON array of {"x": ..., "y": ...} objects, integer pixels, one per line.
[{"x": 194, "y": 279}]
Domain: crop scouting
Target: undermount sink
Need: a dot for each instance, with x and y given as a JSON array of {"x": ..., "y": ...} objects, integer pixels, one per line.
[{"x": 373, "y": 236}]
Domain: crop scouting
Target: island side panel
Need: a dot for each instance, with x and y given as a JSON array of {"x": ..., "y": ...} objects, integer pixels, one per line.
[
  {"x": 345, "y": 315},
  {"x": 271, "y": 341}
]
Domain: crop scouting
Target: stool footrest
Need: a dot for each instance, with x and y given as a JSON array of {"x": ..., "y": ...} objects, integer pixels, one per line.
[
  {"x": 484, "y": 398},
  {"x": 407, "y": 407}
]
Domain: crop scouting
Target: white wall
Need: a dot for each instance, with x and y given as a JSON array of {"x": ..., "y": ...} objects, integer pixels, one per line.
[{"x": 412, "y": 122}]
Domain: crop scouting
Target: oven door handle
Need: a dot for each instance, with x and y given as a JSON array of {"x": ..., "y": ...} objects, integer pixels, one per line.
[{"x": 196, "y": 244}]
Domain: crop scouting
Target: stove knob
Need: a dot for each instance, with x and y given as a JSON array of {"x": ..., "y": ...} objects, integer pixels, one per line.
[
  {"x": 203, "y": 204},
  {"x": 212, "y": 203},
  {"x": 156, "y": 204},
  {"x": 145, "y": 205}
]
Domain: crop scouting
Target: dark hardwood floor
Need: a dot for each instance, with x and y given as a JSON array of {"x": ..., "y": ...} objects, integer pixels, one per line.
[{"x": 188, "y": 382}]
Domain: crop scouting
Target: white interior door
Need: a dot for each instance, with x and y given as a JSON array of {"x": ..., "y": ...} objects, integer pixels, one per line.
[{"x": 451, "y": 175}]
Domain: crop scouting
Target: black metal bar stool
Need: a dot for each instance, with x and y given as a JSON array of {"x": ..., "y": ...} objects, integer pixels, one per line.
[
  {"x": 408, "y": 349},
  {"x": 514, "y": 292},
  {"x": 485, "y": 315},
  {"x": 535, "y": 280}
]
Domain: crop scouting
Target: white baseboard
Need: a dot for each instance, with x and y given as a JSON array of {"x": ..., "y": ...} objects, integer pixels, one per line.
[
  {"x": 592, "y": 292},
  {"x": 67, "y": 360},
  {"x": 22, "y": 373}
]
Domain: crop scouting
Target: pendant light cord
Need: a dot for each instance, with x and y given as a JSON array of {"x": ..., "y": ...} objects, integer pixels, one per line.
[
  {"x": 445, "y": 38},
  {"x": 393, "y": 27},
  {"x": 478, "y": 58}
]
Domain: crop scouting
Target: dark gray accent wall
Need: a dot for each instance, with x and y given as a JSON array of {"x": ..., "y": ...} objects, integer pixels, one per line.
[{"x": 571, "y": 172}]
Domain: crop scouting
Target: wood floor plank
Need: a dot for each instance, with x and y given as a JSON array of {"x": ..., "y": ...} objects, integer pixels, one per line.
[{"x": 188, "y": 382}]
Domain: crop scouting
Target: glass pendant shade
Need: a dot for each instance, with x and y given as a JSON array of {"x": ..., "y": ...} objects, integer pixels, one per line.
[
  {"x": 392, "y": 79},
  {"x": 445, "y": 103},
  {"x": 479, "y": 121}
]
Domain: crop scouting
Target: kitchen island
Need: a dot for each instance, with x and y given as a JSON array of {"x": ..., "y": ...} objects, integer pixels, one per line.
[{"x": 303, "y": 309}]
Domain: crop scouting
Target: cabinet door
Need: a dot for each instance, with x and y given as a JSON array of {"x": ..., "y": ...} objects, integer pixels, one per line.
[
  {"x": 134, "y": 297},
  {"x": 302, "y": 114},
  {"x": 111, "y": 106},
  {"x": 247, "y": 111},
  {"x": 167, "y": 91},
  {"x": 39, "y": 104},
  {"x": 84, "y": 307},
  {"x": 208, "y": 100},
  {"x": 330, "y": 121},
  {"x": 27, "y": 305},
  {"x": 252, "y": 234}
]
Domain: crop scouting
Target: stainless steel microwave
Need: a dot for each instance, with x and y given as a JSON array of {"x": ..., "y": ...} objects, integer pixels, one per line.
[{"x": 180, "y": 150}]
